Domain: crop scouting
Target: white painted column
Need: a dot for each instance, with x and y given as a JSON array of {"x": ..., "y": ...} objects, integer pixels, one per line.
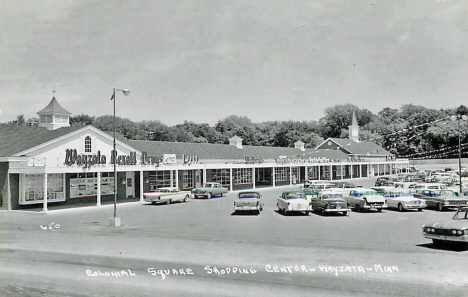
[
  {"x": 172, "y": 177},
  {"x": 274, "y": 177},
  {"x": 331, "y": 172},
  {"x": 360, "y": 170},
  {"x": 9, "y": 190},
  {"x": 253, "y": 177},
  {"x": 306, "y": 177},
  {"x": 290, "y": 175},
  {"x": 318, "y": 172},
  {"x": 45, "y": 194},
  {"x": 98, "y": 194},
  {"x": 204, "y": 175},
  {"x": 230, "y": 180},
  {"x": 141, "y": 185},
  {"x": 341, "y": 166},
  {"x": 177, "y": 178}
]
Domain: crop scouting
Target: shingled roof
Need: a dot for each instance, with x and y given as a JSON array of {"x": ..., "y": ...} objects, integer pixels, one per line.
[
  {"x": 54, "y": 108},
  {"x": 15, "y": 139}
]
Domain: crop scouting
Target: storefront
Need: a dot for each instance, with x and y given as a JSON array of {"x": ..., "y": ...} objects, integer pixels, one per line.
[{"x": 76, "y": 167}]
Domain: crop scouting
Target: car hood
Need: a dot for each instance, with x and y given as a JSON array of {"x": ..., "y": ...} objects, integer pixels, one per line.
[
  {"x": 406, "y": 199},
  {"x": 452, "y": 224}
]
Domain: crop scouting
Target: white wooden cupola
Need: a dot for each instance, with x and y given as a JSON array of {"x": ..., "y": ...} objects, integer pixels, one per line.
[
  {"x": 236, "y": 141},
  {"x": 54, "y": 116}
]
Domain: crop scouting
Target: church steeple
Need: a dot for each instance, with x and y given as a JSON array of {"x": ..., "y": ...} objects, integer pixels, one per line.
[
  {"x": 54, "y": 116},
  {"x": 353, "y": 129}
]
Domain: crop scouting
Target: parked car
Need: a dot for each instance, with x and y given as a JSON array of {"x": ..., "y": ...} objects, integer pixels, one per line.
[
  {"x": 440, "y": 199},
  {"x": 293, "y": 201},
  {"x": 405, "y": 185},
  {"x": 209, "y": 189},
  {"x": 403, "y": 200},
  {"x": 383, "y": 181},
  {"x": 166, "y": 195},
  {"x": 310, "y": 193},
  {"x": 248, "y": 201},
  {"x": 330, "y": 201},
  {"x": 317, "y": 184},
  {"x": 363, "y": 198},
  {"x": 454, "y": 230},
  {"x": 433, "y": 186}
]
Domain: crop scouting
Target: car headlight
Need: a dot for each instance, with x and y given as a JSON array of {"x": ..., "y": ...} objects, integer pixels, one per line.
[
  {"x": 460, "y": 232},
  {"x": 454, "y": 232}
]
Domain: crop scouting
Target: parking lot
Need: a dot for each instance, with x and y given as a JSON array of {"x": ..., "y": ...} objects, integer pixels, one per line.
[{"x": 223, "y": 253}]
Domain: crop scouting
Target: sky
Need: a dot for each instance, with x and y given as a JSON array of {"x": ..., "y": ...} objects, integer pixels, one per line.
[{"x": 204, "y": 60}]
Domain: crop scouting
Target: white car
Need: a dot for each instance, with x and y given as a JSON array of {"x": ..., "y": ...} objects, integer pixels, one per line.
[
  {"x": 403, "y": 200},
  {"x": 293, "y": 201},
  {"x": 362, "y": 198},
  {"x": 166, "y": 195}
]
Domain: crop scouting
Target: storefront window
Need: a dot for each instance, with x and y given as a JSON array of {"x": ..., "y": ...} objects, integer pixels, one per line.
[
  {"x": 281, "y": 174},
  {"x": 187, "y": 179},
  {"x": 34, "y": 188},
  {"x": 161, "y": 179},
  {"x": 85, "y": 184},
  {"x": 221, "y": 176},
  {"x": 242, "y": 176}
]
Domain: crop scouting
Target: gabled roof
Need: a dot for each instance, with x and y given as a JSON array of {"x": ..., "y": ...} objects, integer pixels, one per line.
[
  {"x": 53, "y": 108},
  {"x": 329, "y": 154},
  {"x": 367, "y": 147},
  {"x": 15, "y": 139},
  {"x": 358, "y": 148}
]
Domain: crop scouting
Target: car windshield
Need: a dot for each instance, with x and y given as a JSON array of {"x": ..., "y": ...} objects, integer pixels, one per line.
[
  {"x": 332, "y": 196},
  {"x": 461, "y": 215},
  {"x": 295, "y": 195},
  {"x": 249, "y": 195}
]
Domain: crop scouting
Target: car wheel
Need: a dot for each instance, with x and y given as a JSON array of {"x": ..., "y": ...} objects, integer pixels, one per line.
[
  {"x": 322, "y": 212},
  {"x": 358, "y": 207},
  {"x": 400, "y": 207},
  {"x": 186, "y": 198},
  {"x": 208, "y": 196},
  {"x": 379, "y": 209},
  {"x": 419, "y": 209},
  {"x": 168, "y": 202},
  {"x": 345, "y": 213},
  {"x": 440, "y": 207}
]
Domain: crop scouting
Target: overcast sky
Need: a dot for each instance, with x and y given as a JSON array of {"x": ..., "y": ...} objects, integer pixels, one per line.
[{"x": 203, "y": 60}]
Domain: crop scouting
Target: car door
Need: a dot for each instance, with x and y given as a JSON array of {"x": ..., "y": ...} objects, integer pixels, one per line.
[{"x": 281, "y": 201}]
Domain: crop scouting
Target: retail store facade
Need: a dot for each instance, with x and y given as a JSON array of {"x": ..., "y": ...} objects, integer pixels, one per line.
[{"x": 75, "y": 165}]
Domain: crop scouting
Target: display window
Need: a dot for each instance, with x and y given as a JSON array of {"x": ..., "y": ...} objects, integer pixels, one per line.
[
  {"x": 222, "y": 176},
  {"x": 281, "y": 173},
  {"x": 85, "y": 184},
  {"x": 161, "y": 179},
  {"x": 34, "y": 188},
  {"x": 243, "y": 176}
]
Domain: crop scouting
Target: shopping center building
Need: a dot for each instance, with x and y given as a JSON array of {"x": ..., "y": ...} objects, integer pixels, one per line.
[{"x": 74, "y": 165}]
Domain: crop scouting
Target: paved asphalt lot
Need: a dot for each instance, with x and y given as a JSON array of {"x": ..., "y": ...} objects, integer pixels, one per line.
[{"x": 202, "y": 248}]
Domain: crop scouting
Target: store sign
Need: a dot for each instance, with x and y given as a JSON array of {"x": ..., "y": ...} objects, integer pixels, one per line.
[
  {"x": 73, "y": 158},
  {"x": 169, "y": 159},
  {"x": 189, "y": 159},
  {"x": 150, "y": 160}
]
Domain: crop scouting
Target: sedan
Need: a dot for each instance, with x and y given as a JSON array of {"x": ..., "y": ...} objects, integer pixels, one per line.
[{"x": 248, "y": 201}]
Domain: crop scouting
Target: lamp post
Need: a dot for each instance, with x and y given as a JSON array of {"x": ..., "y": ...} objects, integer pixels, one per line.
[
  {"x": 115, "y": 221},
  {"x": 458, "y": 118}
]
